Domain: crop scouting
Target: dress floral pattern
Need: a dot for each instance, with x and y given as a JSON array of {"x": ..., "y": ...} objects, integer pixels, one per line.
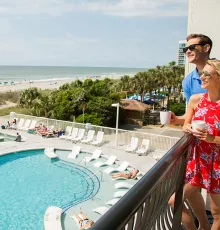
[{"x": 203, "y": 166}]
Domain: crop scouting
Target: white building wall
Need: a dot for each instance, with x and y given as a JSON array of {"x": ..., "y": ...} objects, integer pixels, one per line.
[{"x": 204, "y": 18}]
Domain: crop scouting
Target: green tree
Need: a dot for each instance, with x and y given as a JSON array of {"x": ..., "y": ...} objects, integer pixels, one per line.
[
  {"x": 28, "y": 96},
  {"x": 42, "y": 106}
]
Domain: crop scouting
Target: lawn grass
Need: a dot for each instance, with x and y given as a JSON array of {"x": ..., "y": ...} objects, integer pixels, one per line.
[{"x": 17, "y": 109}]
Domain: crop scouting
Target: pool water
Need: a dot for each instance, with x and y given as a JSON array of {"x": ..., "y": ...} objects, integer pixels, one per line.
[
  {"x": 30, "y": 183},
  {"x": 6, "y": 137}
]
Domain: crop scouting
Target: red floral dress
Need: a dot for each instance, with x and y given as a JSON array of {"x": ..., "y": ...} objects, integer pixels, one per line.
[{"x": 203, "y": 166}]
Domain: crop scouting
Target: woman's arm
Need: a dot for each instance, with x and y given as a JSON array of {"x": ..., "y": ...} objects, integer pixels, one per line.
[
  {"x": 193, "y": 102},
  {"x": 203, "y": 134}
]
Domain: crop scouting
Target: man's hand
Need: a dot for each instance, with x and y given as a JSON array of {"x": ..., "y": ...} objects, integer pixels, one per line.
[
  {"x": 173, "y": 118},
  {"x": 177, "y": 120}
]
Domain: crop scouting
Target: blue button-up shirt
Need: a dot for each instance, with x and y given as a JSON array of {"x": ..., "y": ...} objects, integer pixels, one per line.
[{"x": 192, "y": 85}]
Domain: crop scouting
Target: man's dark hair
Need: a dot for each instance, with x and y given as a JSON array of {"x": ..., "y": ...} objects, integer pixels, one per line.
[
  {"x": 17, "y": 133},
  {"x": 203, "y": 40}
]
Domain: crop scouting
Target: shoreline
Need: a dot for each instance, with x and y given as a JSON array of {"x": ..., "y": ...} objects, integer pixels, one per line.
[{"x": 51, "y": 84}]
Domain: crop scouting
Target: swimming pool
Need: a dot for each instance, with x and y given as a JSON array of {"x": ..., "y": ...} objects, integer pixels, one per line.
[
  {"x": 7, "y": 137},
  {"x": 30, "y": 183}
]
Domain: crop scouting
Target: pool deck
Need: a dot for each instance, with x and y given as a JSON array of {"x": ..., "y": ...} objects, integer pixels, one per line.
[{"x": 31, "y": 141}]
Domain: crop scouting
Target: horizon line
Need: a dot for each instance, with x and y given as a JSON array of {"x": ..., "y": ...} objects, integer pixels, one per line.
[{"x": 73, "y": 66}]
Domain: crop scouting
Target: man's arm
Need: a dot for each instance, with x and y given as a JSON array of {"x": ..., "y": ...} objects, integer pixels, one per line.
[{"x": 179, "y": 120}]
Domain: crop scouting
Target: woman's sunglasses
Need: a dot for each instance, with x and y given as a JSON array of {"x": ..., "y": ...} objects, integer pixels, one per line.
[
  {"x": 205, "y": 73},
  {"x": 191, "y": 47}
]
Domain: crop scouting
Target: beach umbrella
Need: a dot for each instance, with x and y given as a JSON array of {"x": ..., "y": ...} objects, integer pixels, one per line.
[{"x": 149, "y": 101}]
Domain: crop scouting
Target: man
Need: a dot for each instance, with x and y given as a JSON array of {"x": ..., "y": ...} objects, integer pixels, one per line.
[
  {"x": 198, "y": 49},
  {"x": 18, "y": 138}
]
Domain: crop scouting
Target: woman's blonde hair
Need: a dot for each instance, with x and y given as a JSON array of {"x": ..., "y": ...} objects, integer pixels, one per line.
[{"x": 215, "y": 64}]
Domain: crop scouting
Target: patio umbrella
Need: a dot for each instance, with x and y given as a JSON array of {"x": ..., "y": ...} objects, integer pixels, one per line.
[{"x": 149, "y": 101}]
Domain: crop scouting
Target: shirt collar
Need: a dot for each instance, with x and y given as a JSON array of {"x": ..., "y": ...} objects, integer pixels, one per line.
[{"x": 195, "y": 74}]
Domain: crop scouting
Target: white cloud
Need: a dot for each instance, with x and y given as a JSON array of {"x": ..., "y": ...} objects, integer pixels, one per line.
[{"x": 122, "y": 8}]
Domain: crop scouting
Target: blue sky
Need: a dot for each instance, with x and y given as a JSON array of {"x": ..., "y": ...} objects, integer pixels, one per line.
[{"x": 123, "y": 33}]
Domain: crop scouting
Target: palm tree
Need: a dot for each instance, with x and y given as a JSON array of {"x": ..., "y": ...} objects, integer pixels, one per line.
[
  {"x": 28, "y": 96},
  {"x": 139, "y": 84},
  {"x": 42, "y": 106}
]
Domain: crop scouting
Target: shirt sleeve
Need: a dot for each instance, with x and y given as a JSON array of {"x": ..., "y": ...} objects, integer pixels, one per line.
[{"x": 186, "y": 89}]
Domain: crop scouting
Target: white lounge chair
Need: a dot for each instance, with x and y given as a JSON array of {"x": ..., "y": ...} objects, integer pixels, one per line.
[
  {"x": 49, "y": 152},
  {"x": 144, "y": 147},
  {"x": 113, "y": 201},
  {"x": 90, "y": 137},
  {"x": 75, "y": 152},
  {"x": 96, "y": 154},
  {"x": 123, "y": 185},
  {"x": 101, "y": 210},
  {"x": 99, "y": 139},
  {"x": 121, "y": 168},
  {"x": 32, "y": 125},
  {"x": 120, "y": 194},
  {"x": 133, "y": 145},
  {"x": 111, "y": 160},
  {"x": 26, "y": 124},
  {"x": 80, "y": 135},
  {"x": 20, "y": 123},
  {"x": 139, "y": 175},
  {"x": 73, "y": 134},
  {"x": 67, "y": 133},
  {"x": 52, "y": 218}
]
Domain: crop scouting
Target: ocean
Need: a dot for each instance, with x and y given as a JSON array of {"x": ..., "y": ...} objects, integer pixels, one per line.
[{"x": 45, "y": 73}]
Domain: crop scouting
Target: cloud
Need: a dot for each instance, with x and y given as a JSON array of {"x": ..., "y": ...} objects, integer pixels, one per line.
[{"x": 121, "y": 8}]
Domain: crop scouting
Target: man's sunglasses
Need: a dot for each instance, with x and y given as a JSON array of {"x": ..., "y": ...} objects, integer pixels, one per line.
[{"x": 191, "y": 47}]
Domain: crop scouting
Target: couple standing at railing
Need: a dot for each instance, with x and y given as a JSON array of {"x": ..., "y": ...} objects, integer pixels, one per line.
[{"x": 202, "y": 90}]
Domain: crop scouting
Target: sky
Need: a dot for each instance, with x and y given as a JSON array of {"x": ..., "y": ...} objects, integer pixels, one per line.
[{"x": 111, "y": 33}]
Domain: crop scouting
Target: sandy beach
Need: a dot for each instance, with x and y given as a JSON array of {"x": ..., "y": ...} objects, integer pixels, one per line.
[
  {"x": 52, "y": 84},
  {"x": 46, "y": 84}
]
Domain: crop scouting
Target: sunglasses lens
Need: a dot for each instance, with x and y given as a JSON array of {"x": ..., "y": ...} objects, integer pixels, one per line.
[
  {"x": 185, "y": 49},
  {"x": 192, "y": 47},
  {"x": 200, "y": 73}
]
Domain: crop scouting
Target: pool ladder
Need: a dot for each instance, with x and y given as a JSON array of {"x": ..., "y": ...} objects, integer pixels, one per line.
[
  {"x": 82, "y": 160},
  {"x": 95, "y": 174}
]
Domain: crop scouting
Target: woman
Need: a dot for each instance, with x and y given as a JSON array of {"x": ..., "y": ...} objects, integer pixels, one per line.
[
  {"x": 14, "y": 124},
  {"x": 130, "y": 175},
  {"x": 83, "y": 220},
  {"x": 203, "y": 166}
]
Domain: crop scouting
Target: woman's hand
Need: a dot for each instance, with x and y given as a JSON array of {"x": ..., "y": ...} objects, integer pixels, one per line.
[
  {"x": 187, "y": 128},
  {"x": 203, "y": 134}
]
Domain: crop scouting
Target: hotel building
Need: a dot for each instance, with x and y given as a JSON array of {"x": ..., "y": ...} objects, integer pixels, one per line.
[
  {"x": 181, "y": 55},
  {"x": 204, "y": 18}
]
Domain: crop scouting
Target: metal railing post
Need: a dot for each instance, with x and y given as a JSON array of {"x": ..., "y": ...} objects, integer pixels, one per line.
[{"x": 178, "y": 205}]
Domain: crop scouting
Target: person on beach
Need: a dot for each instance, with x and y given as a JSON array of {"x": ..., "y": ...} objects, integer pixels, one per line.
[
  {"x": 18, "y": 138},
  {"x": 202, "y": 169},
  {"x": 84, "y": 221},
  {"x": 14, "y": 124},
  {"x": 197, "y": 50},
  {"x": 130, "y": 175},
  {"x": 8, "y": 126}
]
